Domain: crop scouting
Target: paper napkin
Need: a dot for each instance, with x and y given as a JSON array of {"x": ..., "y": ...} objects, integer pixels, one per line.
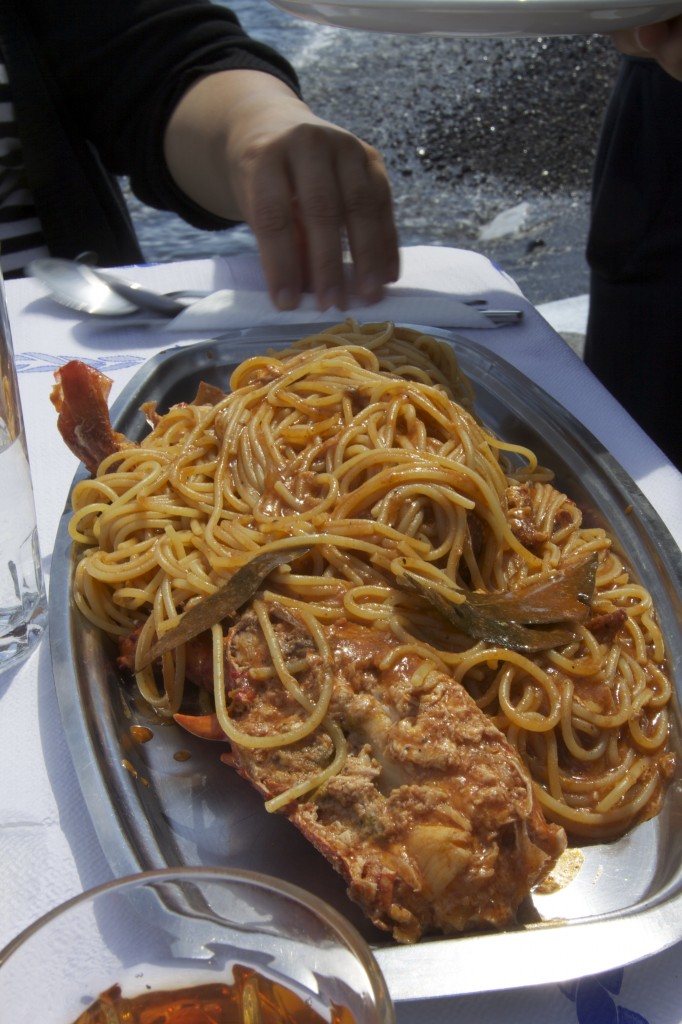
[{"x": 229, "y": 307}]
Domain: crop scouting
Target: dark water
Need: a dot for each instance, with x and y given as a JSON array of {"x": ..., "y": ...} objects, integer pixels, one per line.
[{"x": 469, "y": 128}]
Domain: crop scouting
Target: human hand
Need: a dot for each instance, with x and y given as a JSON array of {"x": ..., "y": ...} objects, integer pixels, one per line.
[
  {"x": 242, "y": 145},
  {"x": 661, "y": 42}
]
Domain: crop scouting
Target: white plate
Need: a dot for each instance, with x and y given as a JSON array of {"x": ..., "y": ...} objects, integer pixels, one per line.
[{"x": 482, "y": 17}]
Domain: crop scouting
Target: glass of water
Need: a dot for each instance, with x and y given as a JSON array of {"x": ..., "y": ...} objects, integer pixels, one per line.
[{"x": 23, "y": 605}]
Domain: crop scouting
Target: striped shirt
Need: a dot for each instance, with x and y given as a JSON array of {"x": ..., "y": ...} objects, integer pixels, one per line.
[{"x": 21, "y": 238}]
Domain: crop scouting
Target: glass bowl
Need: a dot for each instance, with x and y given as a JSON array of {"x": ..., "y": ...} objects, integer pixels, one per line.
[{"x": 172, "y": 930}]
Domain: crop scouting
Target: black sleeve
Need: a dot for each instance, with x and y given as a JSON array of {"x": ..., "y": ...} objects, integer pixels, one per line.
[{"x": 122, "y": 66}]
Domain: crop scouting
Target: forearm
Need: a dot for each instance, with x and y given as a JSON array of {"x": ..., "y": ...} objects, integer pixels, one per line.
[{"x": 119, "y": 70}]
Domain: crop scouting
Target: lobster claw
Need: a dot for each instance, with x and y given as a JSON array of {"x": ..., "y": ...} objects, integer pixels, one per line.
[{"x": 206, "y": 727}]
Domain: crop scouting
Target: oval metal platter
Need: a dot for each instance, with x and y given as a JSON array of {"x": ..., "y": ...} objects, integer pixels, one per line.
[{"x": 171, "y": 801}]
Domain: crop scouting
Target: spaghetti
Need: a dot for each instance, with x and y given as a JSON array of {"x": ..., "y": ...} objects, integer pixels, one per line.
[{"x": 359, "y": 445}]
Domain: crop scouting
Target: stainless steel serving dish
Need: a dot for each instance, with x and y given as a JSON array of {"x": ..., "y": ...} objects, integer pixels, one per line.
[{"x": 153, "y": 806}]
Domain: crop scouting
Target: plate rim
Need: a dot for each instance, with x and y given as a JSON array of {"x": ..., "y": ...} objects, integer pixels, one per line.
[{"x": 501, "y": 18}]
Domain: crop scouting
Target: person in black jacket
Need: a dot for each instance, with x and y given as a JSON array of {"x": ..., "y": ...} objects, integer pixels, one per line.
[
  {"x": 634, "y": 333},
  {"x": 204, "y": 121}
]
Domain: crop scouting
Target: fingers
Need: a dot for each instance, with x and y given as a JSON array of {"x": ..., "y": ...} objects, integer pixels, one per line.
[
  {"x": 317, "y": 184},
  {"x": 661, "y": 42},
  {"x": 648, "y": 38},
  {"x": 269, "y": 210},
  {"x": 314, "y": 189},
  {"x": 664, "y": 43},
  {"x": 372, "y": 234}
]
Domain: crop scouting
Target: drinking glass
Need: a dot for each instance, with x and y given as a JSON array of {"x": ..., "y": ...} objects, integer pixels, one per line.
[
  {"x": 176, "y": 936},
  {"x": 23, "y": 605}
]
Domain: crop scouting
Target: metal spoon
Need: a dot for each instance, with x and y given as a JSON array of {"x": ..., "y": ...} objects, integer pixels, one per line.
[{"x": 90, "y": 290}]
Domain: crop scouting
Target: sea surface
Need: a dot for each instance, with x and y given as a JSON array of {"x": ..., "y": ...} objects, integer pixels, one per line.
[{"x": 489, "y": 142}]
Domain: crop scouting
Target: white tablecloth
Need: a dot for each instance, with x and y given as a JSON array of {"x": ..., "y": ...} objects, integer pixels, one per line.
[{"x": 48, "y": 848}]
